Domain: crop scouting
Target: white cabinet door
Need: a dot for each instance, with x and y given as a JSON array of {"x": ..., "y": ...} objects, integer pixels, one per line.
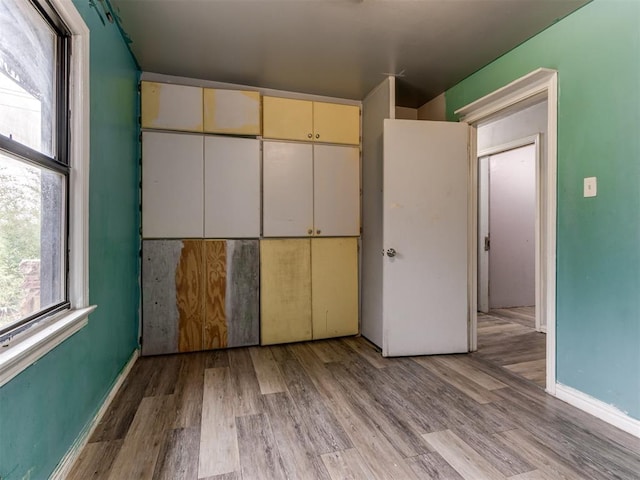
[
  {"x": 336, "y": 176},
  {"x": 172, "y": 187},
  {"x": 231, "y": 187},
  {"x": 171, "y": 107},
  {"x": 287, "y": 189}
]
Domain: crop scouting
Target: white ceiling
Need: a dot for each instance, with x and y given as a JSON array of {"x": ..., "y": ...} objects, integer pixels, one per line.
[{"x": 340, "y": 48}]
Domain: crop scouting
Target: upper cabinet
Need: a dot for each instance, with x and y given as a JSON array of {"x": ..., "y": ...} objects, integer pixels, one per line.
[
  {"x": 171, "y": 107},
  {"x": 289, "y": 119},
  {"x": 231, "y": 112},
  {"x": 334, "y": 123},
  {"x": 194, "y": 109}
]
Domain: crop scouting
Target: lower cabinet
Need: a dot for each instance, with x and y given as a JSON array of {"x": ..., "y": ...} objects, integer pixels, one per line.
[
  {"x": 199, "y": 295},
  {"x": 308, "y": 289}
]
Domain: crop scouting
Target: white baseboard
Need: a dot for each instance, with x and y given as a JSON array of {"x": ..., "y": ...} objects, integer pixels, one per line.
[
  {"x": 64, "y": 467},
  {"x": 599, "y": 409}
]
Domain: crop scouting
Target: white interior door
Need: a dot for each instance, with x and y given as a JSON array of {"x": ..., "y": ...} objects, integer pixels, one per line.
[
  {"x": 336, "y": 191},
  {"x": 232, "y": 187},
  {"x": 425, "y": 237},
  {"x": 287, "y": 189}
]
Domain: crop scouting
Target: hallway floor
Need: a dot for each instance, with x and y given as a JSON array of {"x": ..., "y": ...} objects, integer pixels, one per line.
[
  {"x": 336, "y": 409},
  {"x": 508, "y": 338}
]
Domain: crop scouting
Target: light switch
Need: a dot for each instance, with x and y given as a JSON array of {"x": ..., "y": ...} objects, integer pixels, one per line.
[{"x": 590, "y": 186}]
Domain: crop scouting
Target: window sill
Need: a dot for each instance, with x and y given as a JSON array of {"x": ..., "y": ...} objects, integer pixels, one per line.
[{"x": 25, "y": 349}]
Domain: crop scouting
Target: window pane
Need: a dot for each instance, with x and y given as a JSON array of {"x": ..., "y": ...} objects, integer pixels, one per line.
[
  {"x": 27, "y": 76},
  {"x": 32, "y": 229}
]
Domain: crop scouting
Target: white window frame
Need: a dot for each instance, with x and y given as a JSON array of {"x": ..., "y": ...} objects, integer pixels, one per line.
[{"x": 19, "y": 352}]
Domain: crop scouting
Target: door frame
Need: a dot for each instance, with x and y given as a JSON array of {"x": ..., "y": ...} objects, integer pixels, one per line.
[
  {"x": 522, "y": 92},
  {"x": 506, "y": 147}
]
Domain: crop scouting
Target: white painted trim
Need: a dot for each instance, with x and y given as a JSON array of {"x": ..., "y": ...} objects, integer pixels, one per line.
[
  {"x": 472, "y": 240},
  {"x": 68, "y": 461},
  {"x": 515, "y": 92},
  {"x": 25, "y": 349},
  {"x": 30, "y": 345},
  {"x": 505, "y": 147},
  {"x": 541, "y": 82},
  {"x": 598, "y": 409},
  {"x": 392, "y": 97},
  {"x": 196, "y": 82}
]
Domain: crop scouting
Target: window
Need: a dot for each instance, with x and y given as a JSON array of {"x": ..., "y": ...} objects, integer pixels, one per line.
[
  {"x": 44, "y": 160},
  {"x": 34, "y": 164}
]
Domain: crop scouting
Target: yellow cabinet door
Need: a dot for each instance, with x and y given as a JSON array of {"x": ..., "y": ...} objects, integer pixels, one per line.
[
  {"x": 287, "y": 119},
  {"x": 334, "y": 123},
  {"x": 231, "y": 112},
  {"x": 171, "y": 107},
  {"x": 285, "y": 291},
  {"x": 334, "y": 287}
]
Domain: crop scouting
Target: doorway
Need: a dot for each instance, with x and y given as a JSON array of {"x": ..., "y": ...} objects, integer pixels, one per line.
[
  {"x": 531, "y": 89},
  {"x": 508, "y": 199}
]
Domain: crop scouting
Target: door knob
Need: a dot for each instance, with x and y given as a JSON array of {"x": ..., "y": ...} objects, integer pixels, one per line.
[{"x": 391, "y": 252}]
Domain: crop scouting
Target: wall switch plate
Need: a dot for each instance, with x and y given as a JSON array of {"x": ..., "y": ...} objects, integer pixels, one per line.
[{"x": 590, "y": 186}]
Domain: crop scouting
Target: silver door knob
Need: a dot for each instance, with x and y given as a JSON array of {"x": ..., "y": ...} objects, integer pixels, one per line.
[{"x": 391, "y": 252}]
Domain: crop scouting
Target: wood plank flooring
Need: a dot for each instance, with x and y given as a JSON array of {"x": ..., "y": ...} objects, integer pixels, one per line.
[
  {"x": 507, "y": 337},
  {"x": 335, "y": 409}
]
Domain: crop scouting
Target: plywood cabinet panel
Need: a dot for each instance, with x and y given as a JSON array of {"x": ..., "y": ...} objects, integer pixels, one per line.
[
  {"x": 287, "y": 119},
  {"x": 232, "y": 112},
  {"x": 287, "y": 189},
  {"x": 334, "y": 287},
  {"x": 172, "y": 186},
  {"x": 190, "y": 296},
  {"x": 285, "y": 290},
  {"x": 336, "y": 191},
  {"x": 199, "y": 295},
  {"x": 334, "y": 123},
  {"x": 171, "y": 107},
  {"x": 231, "y": 187}
]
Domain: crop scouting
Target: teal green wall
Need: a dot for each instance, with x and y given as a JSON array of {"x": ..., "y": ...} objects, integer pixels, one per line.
[
  {"x": 596, "y": 51},
  {"x": 43, "y": 410}
]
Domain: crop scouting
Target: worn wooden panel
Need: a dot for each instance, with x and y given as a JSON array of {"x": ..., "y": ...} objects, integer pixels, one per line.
[
  {"x": 215, "y": 317},
  {"x": 334, "y": 286},
  {"x": 178, "y": 457},
  {"x": 190, "y": 296},
  {"x": 285, "y": 291},
  {"x": 333, "y": 123},
  {"x": 464, "y": 459},
  {"x": 218, "y": 438},
  {"x": 171, "y": 107},
  {"x": 287, "y": 119},
  {"x": 139, "y": 453},
  {"x": 243, "y": 292},
  {"x": 232, "y": 112},
  {"x": 159, "y": 308}
]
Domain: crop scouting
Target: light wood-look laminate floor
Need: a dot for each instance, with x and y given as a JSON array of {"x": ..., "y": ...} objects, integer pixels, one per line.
[
  {"x": 508, "y": 338},
  {"x": 336, "y": 409}
]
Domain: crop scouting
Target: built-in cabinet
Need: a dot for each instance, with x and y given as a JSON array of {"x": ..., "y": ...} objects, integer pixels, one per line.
[
  {"x": 199, "y": 295},
  {"x": 308, "y": 289},
  {"x": 197, "y": 186},
  {"x": 305, "y": 120},
  {"x": 214, "y": 195},
  {"x": 310, "y": 190}
]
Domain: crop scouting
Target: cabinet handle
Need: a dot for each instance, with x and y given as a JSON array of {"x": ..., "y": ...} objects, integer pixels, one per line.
[
  {"x": 310, "y": 231},
  {"x": 309, "y": 135},
  {"x": 318, "y": 232},
  {"x": 317, "y": 135}
]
